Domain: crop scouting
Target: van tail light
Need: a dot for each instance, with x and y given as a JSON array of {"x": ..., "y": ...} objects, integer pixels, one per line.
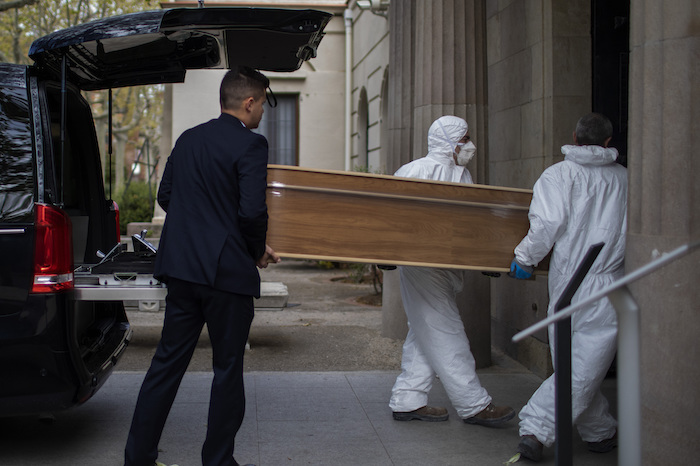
[
  {"x": 115, "y": 208},
  {"x": 53, "y": 250}
]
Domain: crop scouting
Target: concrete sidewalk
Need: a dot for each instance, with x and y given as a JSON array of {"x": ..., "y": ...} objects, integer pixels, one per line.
[
  {"x": 318, "y": 381},
  {"x": 292, "y": 418}
]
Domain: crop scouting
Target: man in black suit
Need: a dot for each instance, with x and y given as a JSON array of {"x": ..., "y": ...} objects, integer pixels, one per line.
[{"x": 213, "y": 191}]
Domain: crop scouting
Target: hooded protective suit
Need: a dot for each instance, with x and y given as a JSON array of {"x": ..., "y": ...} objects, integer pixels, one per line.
[
  {"x": 439, "y": 165},
  {"x": 436, "y": 342},
  {"x": 577, "y": 203}
]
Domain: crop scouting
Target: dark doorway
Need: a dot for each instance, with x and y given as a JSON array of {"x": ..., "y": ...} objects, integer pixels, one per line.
[{"x": 610, "y": 32}]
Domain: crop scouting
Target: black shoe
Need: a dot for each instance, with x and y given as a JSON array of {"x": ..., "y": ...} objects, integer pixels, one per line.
[
  {"x": 530, "y": 447},
  {"x": 603, "y": 446},
  {"x": 426, "y": 413}
]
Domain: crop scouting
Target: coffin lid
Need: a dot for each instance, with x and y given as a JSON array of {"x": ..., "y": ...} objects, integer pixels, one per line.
[{"x": 159, "y": 46}]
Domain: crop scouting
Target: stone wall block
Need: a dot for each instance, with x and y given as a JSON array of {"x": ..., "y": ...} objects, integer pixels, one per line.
[
  {"x": 514, "y": 28},
  {"x": 531, "y": 130},
  {"x": 537, "y": 74},
  {"x": 570, "y": 17},
  {"x": 517, "y": 173},
  {"x": 663, "y": 214},
  {"x": 493, "y": 39},
  {"x": 505, "y": 141},
  {"x": 510, "y": 82},
  {"x": 571, "y": 66},
  {"x": 533, "y": 23}
]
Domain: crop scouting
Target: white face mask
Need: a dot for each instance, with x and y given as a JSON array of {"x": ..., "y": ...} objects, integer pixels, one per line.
[{"x": 466, "y": 153}]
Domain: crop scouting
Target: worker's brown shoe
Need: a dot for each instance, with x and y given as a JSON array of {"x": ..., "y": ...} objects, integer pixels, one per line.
[
  {"x": 426, "y": 413},
  {"x": 530, "y": 447},
  {"x": 492, "y": 416}
]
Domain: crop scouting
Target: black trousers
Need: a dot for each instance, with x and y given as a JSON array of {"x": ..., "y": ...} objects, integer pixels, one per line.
[{"x": 228, "y": 317}]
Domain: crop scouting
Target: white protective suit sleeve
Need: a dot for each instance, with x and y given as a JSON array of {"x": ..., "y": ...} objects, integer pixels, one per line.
[
  {"x": 548, "y": 216},
  {"x": 436, "y": 341}
]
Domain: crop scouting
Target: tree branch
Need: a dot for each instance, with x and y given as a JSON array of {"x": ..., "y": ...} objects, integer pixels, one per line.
[{"x": 9, "y": 4}]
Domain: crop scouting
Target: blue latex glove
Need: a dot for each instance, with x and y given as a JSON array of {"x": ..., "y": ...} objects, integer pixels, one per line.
[{"x": 520, "y": 271}]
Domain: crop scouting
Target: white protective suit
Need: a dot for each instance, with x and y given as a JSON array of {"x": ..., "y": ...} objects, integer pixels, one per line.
[
  {"x": 436, "y": 342},
  {"x": 577, "y": 203}
]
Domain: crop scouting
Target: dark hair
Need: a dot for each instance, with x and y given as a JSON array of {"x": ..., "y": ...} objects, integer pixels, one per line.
[
  {"x": 593, "y": 130},
  {"x": 239, "y": 83}
]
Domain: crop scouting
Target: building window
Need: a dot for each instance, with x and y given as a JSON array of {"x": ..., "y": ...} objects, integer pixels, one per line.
[
  {"x": 383, "y": 121},
  {"x": 362, "y": 160},
  {"x": 280, "y": 126}
]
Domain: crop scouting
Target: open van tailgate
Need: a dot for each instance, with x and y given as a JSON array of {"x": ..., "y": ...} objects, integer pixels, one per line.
[
  {"x": 121, "y": 276},
  {"x": 118, "y": 286}
]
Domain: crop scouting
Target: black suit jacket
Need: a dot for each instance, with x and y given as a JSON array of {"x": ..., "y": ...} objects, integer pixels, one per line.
[{"x": 213, "y": 190}]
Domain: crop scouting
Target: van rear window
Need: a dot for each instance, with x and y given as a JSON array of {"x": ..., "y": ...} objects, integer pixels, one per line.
[{"x": 16, "y": 161}]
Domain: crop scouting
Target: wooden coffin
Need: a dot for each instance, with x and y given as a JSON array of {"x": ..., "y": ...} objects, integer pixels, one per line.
[{"x": 359, "y": 217}]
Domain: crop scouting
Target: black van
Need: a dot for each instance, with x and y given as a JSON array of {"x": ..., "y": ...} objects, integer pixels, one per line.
[{"x": 63, "y": 274}]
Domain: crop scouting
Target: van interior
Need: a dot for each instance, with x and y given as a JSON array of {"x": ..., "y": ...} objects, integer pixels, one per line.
[{"x": 76, "y": 184}]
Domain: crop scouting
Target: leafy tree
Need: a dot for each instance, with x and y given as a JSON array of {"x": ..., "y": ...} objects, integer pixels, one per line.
[
  {"x": 135, "y": 204},
  {"x": 136, "y": 111},
  {"x": 8, "y": 4}
]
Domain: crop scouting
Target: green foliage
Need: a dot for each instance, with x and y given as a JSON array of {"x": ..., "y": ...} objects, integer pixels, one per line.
[
  {"x": 136, "y": 110},
  {"x": 358, "y": 272},
  {"x": 365, "y": 169},
  {"x": 135, "y": 204},
  {"x": 29, "y": 20},
  {"x": 327, "y": 265}
]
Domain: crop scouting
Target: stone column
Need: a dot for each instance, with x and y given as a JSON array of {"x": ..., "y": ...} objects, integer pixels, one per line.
[
  {"x": 539, "y": 80},
  {"x": 663, "y": 213},
  {"x": 400, "y": 129},
  {"x": 450, "y": 72},
  {"x": 400, "y": 95},
  {"x": 438, "y": 68}
]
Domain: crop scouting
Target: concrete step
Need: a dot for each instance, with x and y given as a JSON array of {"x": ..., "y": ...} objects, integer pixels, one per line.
[{"x": 273, "y": 297}]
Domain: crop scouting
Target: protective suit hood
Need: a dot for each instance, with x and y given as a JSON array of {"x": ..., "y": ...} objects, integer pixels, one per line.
[
  {"x": 439, "y": 163},
  {"x": 443, "y": 136},
  {"x": 589, "y": 155}
]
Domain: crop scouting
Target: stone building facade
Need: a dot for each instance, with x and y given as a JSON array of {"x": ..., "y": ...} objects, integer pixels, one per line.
[
  {"x": 314, "y": 95},
  {"x": 521, "y": 72}
]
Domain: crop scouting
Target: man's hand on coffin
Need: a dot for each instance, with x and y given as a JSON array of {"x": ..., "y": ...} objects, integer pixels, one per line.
[{"x": 270, "y": 257}]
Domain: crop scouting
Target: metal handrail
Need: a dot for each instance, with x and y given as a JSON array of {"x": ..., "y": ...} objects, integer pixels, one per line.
[
  {"x": 628, "y": 370},
  {"x": 626, "y": 280}
]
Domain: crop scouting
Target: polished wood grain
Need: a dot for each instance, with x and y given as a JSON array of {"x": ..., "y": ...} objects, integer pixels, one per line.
[
  {"x": 386, "y": 184},
  {"x": 358, "y": 217}
]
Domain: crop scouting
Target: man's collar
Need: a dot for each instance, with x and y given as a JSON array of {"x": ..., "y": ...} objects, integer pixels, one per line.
[{"x": 230, "y": 118}]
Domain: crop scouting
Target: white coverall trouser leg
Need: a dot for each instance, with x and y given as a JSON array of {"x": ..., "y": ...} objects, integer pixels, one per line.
[
  {"x": 593, "y": 347},
  {"x": 436, "y": 344}
]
